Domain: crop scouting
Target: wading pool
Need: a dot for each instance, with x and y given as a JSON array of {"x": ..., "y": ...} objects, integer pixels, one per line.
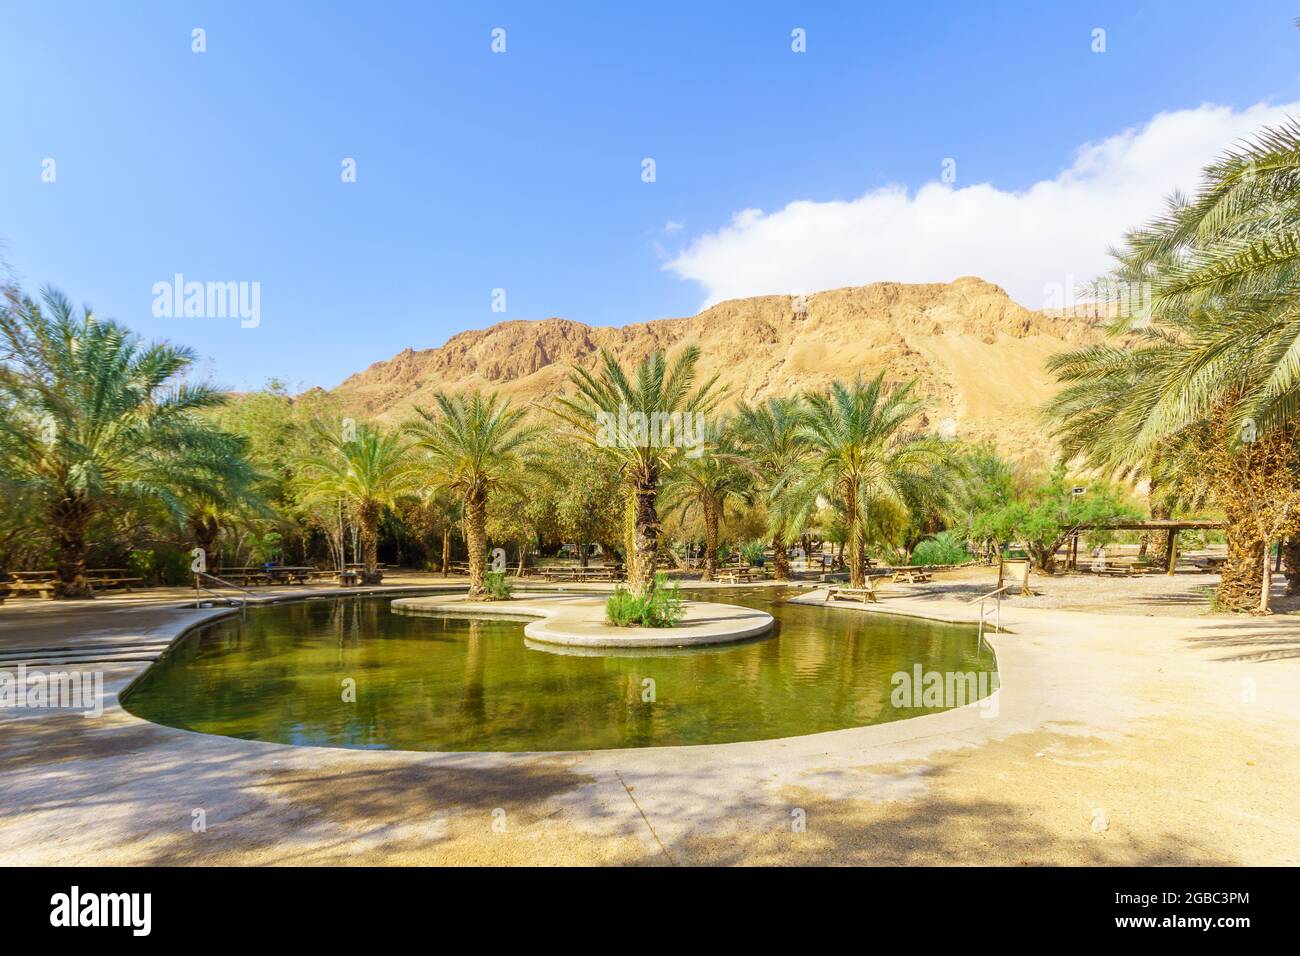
[{"x": 426, "y": 682}]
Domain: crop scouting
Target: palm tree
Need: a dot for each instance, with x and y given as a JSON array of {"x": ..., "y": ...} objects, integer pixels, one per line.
[
  {"x": 1209, "y": 380},
  {"x": 772, "y": 441},
  {"x": 861, "y": 454},
  {"x": 708, "y": 483},
  {"x": 367, "y": 468},
  {"x": 91, "y": 415},
  {"x": 477, "y": 445},
  {"x": 627, "y": 418}
]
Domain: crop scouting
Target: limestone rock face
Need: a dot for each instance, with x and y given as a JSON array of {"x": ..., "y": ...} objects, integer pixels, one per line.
[{"x": 975, "y": 353}]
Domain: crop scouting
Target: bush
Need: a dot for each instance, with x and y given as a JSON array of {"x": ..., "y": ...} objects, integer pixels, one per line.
[
  {"x": 498, "y": 588},
  {"x": 754, "y": 553},
  {"x": 661, "y": 607},
  {"x": 143, "y": 563},
  {"x": 942, "y": 548}
]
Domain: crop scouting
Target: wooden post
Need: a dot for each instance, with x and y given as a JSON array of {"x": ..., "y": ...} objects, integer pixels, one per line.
[
  {"x": 1074, "y": 551},
  {"x": 1173, "y": 548}
]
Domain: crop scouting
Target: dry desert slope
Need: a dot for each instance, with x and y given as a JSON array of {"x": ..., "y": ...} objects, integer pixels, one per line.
[{"x": 974, "y": 352}]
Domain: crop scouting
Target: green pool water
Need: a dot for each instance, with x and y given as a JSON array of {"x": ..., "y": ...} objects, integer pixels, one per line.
[{"x": 455, "y": 684}]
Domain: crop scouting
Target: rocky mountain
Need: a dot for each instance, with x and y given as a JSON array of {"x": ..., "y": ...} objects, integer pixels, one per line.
[{"x": 974, "y": 352}]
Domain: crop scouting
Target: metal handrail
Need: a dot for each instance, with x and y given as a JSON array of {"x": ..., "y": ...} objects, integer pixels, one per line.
[
  {"x": 997, "y": 622},
  {"x": 198, "y": 586},
  {"x": 985, "y": 597}
]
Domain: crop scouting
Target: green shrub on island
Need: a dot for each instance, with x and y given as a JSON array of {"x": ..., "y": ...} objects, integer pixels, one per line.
[
  {"x": 498, "y": 588},
  {"x": 662, "y": 606}
]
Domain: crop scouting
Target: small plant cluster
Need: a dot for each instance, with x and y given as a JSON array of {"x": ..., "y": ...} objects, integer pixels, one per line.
[
  {"x": 753, "y": 553},
  {"x": 498, "y": 588},
  {"x": 661, "y": 606}
]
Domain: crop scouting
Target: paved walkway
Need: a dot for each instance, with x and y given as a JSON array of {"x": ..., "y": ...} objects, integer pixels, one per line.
[{"x": 1112, "y": 740}]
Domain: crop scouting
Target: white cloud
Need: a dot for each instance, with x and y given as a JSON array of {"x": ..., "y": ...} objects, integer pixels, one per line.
[{"x": 1055, "y": 232}]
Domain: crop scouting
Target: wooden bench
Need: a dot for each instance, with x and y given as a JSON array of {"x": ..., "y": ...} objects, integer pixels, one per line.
[
  {"x": 111, "y": 577},
  {"x": 1123, "y": 570},
  {"x": 867, "y": 595}
]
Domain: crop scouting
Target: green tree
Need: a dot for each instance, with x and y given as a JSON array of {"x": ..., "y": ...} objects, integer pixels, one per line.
[
  {"x": 589, "y": 498},
  {"x": 772, "y": 440},
  {"x": 1048, "y": 513},
  {"x": 862, "y": 454},
  {"x": 1208, "y": 356},
  {"x": 92, "y": 415},
  {"x": 707, "y": 484},
  {"x": 369, "y": 470}
]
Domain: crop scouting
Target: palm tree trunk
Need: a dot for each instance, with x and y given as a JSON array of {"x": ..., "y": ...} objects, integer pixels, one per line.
[
  {"x": 1159, "y": 507},
  {"x": 446, "y": 551},
  {"x": 205, "y": 530},
  {"x": 1266, "y": 578},
  {"x": 70, "y": 516},
  {"x": 368, "y": 518},
  {"x": 1291, "y": 565},
  {"x": 857, "y": 566},
  {"x": 1239, "y": 588},
  {"x": 476, "y": 540},
  {"x": 645, "y": 534},
  {"x": 710, "y": 540},
  {"x": 780, "y": 559}
]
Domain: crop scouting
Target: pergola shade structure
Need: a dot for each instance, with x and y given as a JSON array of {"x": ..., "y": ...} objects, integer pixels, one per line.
[{"x": 1170, "y": 526}]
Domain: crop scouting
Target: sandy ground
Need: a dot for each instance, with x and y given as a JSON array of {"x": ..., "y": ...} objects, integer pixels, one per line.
[
  {"x": 1186, "y": 594},
  {"x": 1121, "y": 738}
]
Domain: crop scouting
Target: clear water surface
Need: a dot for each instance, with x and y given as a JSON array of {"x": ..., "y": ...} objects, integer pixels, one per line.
[{"x": 457, "y": 684}]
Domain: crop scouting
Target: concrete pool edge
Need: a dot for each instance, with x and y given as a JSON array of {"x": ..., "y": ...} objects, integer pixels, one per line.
[
  {"x": 579, "y": 621},
  {"x": 1080, "y": 693}
]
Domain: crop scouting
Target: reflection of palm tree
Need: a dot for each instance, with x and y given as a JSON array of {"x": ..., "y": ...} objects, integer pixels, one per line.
[{"x": 473, "y": 697}]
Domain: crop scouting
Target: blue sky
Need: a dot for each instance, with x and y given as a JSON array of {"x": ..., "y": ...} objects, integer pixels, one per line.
[{"x": 522, "y": 170}]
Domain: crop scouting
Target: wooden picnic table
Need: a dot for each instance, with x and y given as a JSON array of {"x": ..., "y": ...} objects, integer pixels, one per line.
[
  {"x": 42, "y": 583},
  {"x": 867, "y": 595},
  {"x": 1123, "y": 570},
  {"x": 599, "y": 573},
  {"x": 911, "y": 576},
  {"x": 736, "y": 575},
  {"x": 276, "y": 574}
]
